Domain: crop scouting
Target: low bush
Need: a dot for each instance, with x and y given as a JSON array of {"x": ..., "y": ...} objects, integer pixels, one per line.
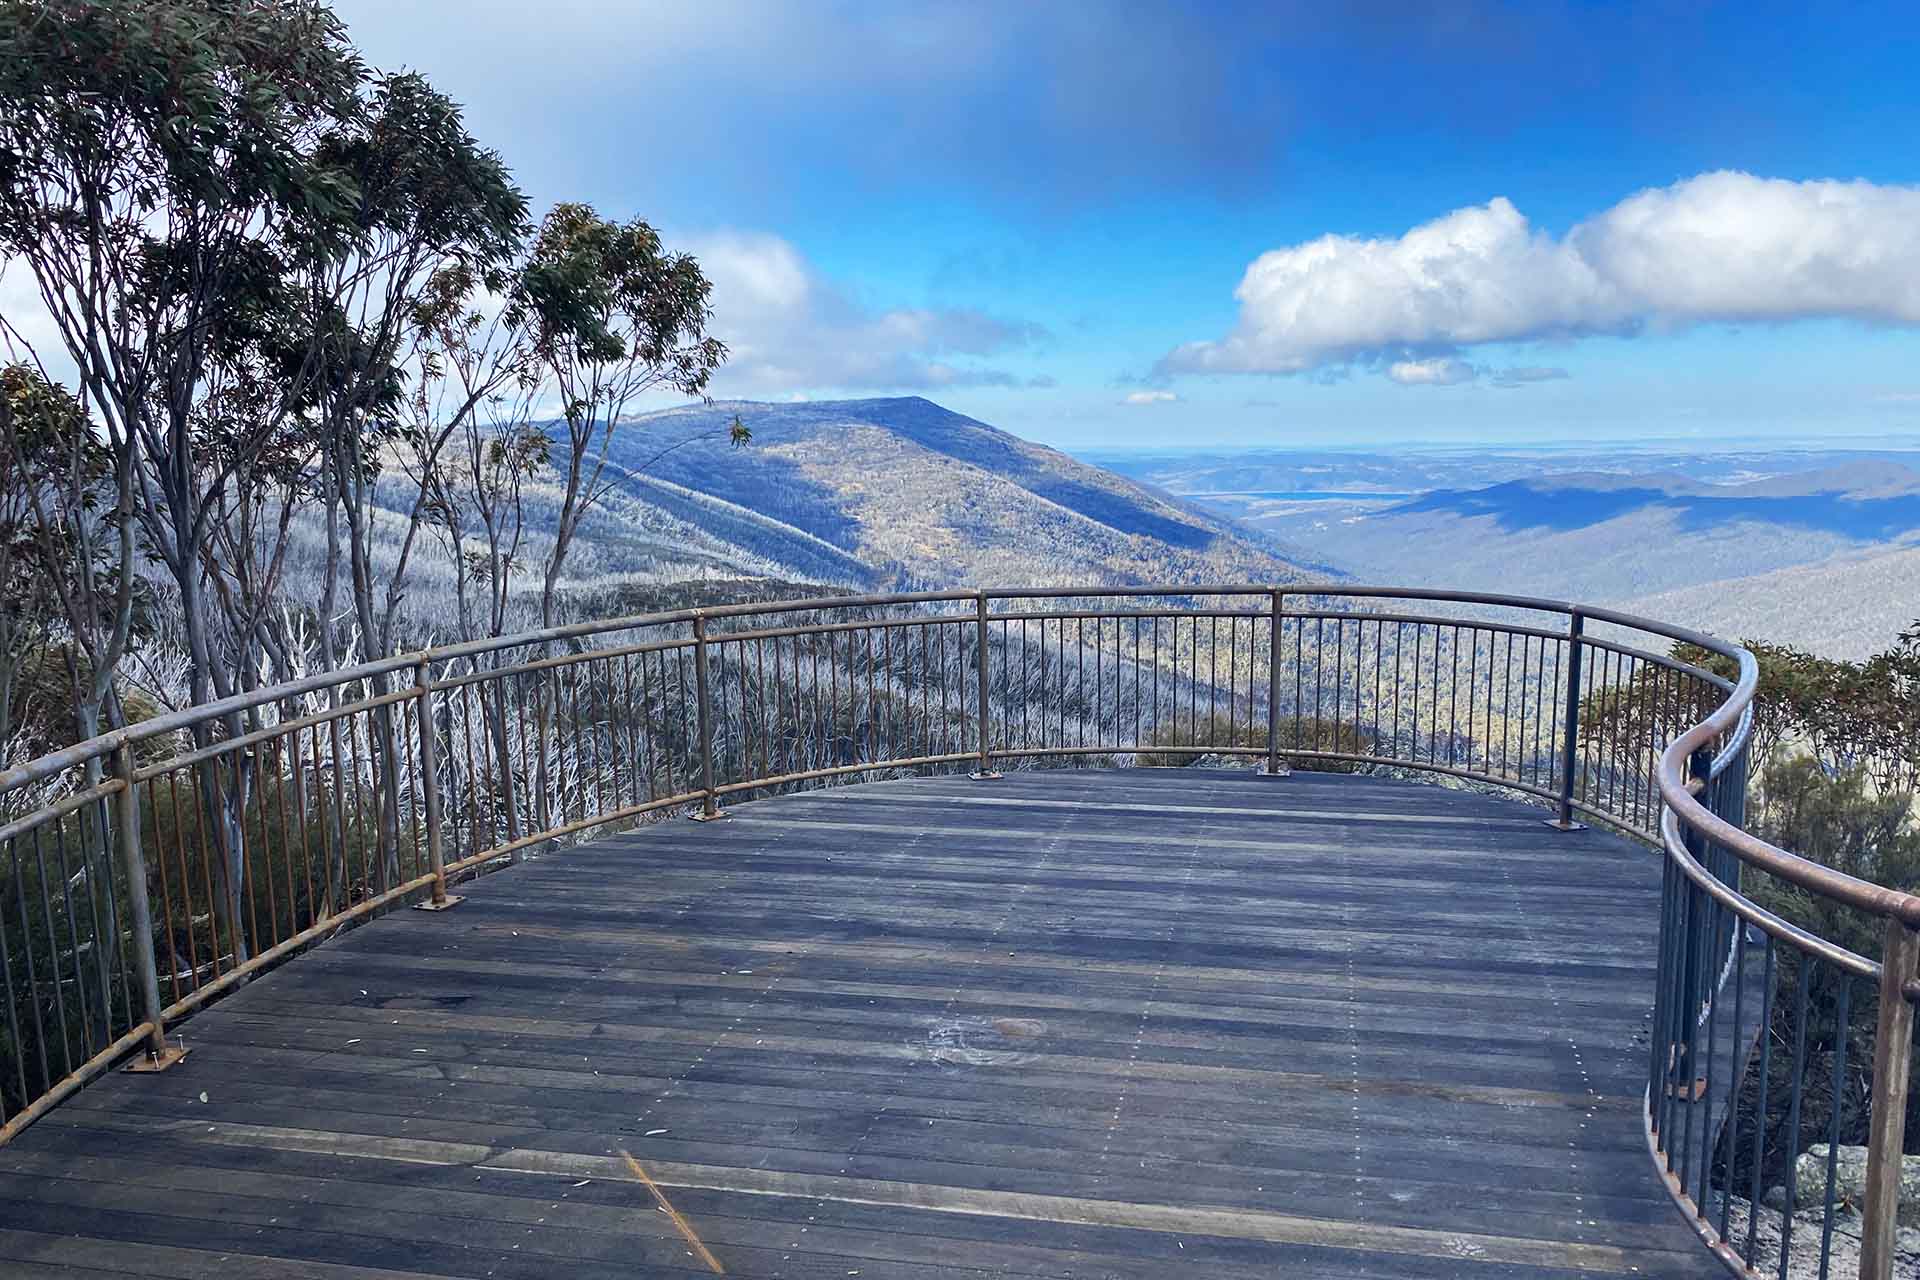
[{"x": 1218, "y": 734}]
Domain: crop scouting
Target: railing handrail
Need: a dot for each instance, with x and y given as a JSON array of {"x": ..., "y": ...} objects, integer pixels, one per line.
[
  {"x": 1804, "y": 873},
  {"x": 102, "y": 745}
]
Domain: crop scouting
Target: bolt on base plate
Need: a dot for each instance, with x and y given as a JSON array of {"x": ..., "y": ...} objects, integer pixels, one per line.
[
  {"x": 150, "y": 1064},
  {"x": 445, "y": 904}
]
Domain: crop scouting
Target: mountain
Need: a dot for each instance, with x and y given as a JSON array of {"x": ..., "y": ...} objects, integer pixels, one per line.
[
  {"x": 905, "y": 492},
  {"x": 1814, "y": 547},
  {"x": 1859, "y": 503},
  {"x": 1599, "y": 535},
  {"x": 1851, "y": 606},
  {"x": 1407, "y": 470},
  {"x": 830, "y": 497}
]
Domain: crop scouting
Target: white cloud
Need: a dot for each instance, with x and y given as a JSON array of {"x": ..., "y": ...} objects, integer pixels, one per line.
[
  {"x": 786, "y": 327},
  {"x": 1441, "y": 371},
  {"x": 1718, "y": 247},
  {"x": 1151, "y": 397}
]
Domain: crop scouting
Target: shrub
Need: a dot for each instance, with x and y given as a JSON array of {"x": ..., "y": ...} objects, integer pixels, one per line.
[
  {"x": 1843, "y": 821},
  {"x": 1308, "y": 734}
]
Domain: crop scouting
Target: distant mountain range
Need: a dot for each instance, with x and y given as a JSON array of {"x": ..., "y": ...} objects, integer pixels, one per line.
[
  {"x": 904, "y": 493},
  {"x": 1861, "y": 502},
  {"x": 1848, "y": 607},
  {"x": 1416, "y": 469},
  {"x": 835, "y": 497},
  {"x": 1820, "y": 550}
]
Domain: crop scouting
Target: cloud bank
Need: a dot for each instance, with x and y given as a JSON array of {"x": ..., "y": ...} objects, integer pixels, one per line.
[
  {"x": 787, "y": 327},
  {"x": 1720, "y": 247}
]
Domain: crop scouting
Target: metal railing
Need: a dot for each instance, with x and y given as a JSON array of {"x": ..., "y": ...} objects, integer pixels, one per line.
[{"x": 149, "y": 870}]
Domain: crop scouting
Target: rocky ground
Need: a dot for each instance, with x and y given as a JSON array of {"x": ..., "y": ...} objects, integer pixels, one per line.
[{"x": 1803, "y": 1262}]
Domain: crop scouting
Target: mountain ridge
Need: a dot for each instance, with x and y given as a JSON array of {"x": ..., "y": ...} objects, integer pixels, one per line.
[{"x": 927, "y": 496}]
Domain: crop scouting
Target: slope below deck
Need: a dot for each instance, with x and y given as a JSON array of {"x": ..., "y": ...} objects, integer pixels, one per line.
[{"x": 1128, "y": 1024}]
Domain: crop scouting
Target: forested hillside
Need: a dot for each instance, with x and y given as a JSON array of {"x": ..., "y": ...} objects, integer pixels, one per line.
[
  {"x": 1812, "y": 548},
  {"x": 862, "y": 495},
  {"x": 917, "y": 493},
  {"x": 1846, "y": 607}
]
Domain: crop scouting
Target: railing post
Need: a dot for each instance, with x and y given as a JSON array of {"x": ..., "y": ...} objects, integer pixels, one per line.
[
  {"x": 709, "y": 807},
  {"x": 1686, "y": 1081},
  {"x": 1570, "y": 726},
  {"x": 984, "y": 772},
  {"x": 158, "y": 1056},
  {"x": 1887, "y": 1120},
  {"x": 498, "y": 731},
  {"x": 1275, "y": 768},
  {"x": 430, "y": 790}
]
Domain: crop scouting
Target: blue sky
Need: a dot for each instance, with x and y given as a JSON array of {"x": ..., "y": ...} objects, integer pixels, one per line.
[{"x": 1041, "y": 214}]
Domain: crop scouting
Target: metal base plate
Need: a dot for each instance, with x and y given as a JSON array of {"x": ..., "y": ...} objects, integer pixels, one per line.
[
  {"x": 445, "y": 904},
  {"x": 1558, "y": 825},
  {"x": 718, "y": 815},
  {"x": 1282, "y": 772},
  {"x": 985, "y": 775},
  {"x": 148, "y": 1064}
]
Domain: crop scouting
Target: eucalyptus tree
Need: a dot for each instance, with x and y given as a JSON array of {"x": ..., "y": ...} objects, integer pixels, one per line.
[
  {"x": 431, "y": 210},
  {"x": 154, "y": 160},
  {"x": 27, "y": 616},
  {"x": 606, "y": 314},
  {"x": 477, "y": 379},
  {"x": 157, "y": 158},
  {"x": 255, "y": 250},
  {"x": 435, "y": 214},
  {"x": 70, "y": 588},
  {"x": 160, "y": 173},
  {"x": 609, "y": 316}
]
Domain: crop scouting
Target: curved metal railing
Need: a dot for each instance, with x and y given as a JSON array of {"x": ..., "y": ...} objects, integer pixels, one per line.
[
  {"x": 1758, "y": 1058},
  {"x": 147, "y": 871}
]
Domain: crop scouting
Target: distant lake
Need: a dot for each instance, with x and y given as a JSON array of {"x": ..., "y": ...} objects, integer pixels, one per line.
[{"x": 1308, "y": 495}]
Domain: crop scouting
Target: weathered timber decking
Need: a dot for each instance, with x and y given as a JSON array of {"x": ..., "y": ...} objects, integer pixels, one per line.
[{"x": 1129, "y": 1024}]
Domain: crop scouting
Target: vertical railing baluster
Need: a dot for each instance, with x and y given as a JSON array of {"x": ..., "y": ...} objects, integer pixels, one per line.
[
  {"x": 1274, "y": 767},
  {"x": 1835, "y": 1105},
  {"x": 703, "y": 716},
  {"x": 157, "y": 1056},
  {"x": 1802, "y": 980},
  {"x": 1764, "y": 1083},
  {"x": 984, "y": 772},
  {"x": 1570, "y": 726},
  {"x": 430, "y": 788}
]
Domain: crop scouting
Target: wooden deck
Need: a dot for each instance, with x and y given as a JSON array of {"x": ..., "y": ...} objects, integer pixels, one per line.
[{"x": 1123, "y": 1024}]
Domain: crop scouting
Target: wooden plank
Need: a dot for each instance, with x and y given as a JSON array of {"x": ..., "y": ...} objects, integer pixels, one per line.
[{"x": 1080, "y": 1022}]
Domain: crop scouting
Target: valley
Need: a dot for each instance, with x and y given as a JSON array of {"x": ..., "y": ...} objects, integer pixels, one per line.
[{"x": 1815, "y": 549}]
